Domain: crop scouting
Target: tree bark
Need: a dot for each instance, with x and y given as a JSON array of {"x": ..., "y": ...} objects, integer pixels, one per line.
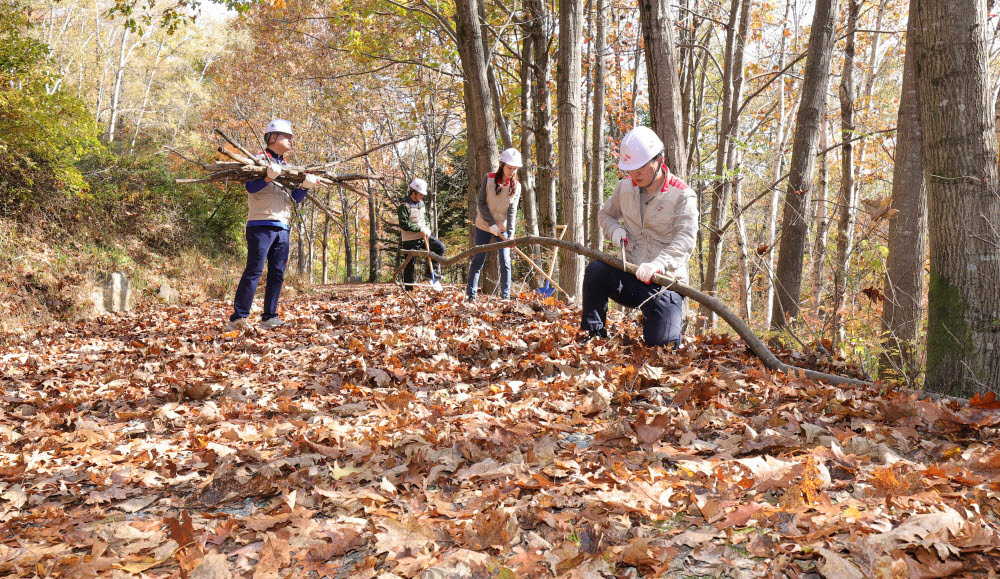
[
  {"x": 661, "y": 75},
  {"x": 902, "y": 309},
  {"x": 542, "y": 112},
  {"x": 570, "y": 142},
  {"x": 811, "y": 110},
  {"x": 597, "y": 148},
  {"x": 732, "y": 83},
  {"x": 847, "y": 207},
  {"x": 822, "y": 219},
  {"x": 960, "y": 151},
  {"x": 527, "y": 172}
]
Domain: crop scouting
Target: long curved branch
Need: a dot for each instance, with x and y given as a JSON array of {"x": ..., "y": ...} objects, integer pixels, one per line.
[{"x": 756, "y": 345}]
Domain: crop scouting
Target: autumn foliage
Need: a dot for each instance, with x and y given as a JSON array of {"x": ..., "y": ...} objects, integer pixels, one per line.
[{"x": 375, "y": 436}]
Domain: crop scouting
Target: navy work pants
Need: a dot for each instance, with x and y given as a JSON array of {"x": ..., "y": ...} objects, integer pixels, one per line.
[
  {"x": 436, "y": 247},
  {"x": 661, "y": 314},
  {"x": 264, "y": 243}
]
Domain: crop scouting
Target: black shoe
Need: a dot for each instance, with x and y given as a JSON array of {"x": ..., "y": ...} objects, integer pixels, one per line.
[{"x": 598, "y": 333}]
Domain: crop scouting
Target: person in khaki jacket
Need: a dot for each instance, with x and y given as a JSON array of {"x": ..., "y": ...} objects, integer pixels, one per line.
[
  {"x": 498, "y": 197},
  {"x": 653, "y": 217},
  {"x": 269, "y": 208}
]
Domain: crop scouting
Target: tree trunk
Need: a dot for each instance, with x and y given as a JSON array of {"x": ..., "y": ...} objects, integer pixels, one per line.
[
  {"x": 570, "y": 143},
  {"x": 527, "y": 172},
  {"x": 847, "y": 206},
  {"x": 661, "y": 75},
  {"x": 348, "y": 254},
  {"x": 145, "y": 96},
  {"x": 822, "y": 219},
  {"x": 779, "y": 170},
  {"x": 960, "y": 151},
  {"x": 746, "y": 289},
  {"x": 729, "y": 128},
  {"x": 373, "y": 231},
  {"x": 117, "y": 90},
  {"x": 904, "y": 279},
  {"x": 501, "y": 121},
  {"x": 597, "y": 148},
  {"x": 482, "y": 148},
  {"x": 542, "y": 113},
  {"x": 811, "y": 110},
  {"x": 325, "y": 260}
]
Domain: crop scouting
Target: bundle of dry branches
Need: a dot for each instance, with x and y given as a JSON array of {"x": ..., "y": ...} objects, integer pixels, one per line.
[{"x": 246, "y": 166}]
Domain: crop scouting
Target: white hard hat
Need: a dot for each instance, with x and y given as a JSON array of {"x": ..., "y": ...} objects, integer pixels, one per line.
[
  {"x": 419, "y": 185},
  {"x": 511, "y": 157},
  {"x": 279, "y": 126},
  {"x": 638, "y": 146}
]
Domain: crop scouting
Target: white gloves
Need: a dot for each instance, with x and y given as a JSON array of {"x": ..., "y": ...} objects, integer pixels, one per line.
[
  {"x": 310, "y": 181},
  {"x": 495, "y": 230},
  {"x": 425, "y": 231},
  {"x": 273, "y": 170},
  {"x": 645, "y": 272},
  {"x": 620, "y": 237}
]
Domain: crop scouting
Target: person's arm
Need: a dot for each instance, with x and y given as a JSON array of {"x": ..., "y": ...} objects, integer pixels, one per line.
[
  {"x": 610, "y": 214},
  {"x": 484, "y": 207},
  {"x": 256, "y": 185},
  {"x": 299, "y": 194},
  {"x": 512, "y": 212},
  {"x": 680, "y": 248},
  {"x": 404, "y": 218}
]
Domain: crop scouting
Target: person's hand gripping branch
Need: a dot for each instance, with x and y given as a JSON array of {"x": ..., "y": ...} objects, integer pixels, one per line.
[
  {"x": 646, "y": 271},
  {"x": 620, "y": 237},
  {"x": 273, "y": 170}
]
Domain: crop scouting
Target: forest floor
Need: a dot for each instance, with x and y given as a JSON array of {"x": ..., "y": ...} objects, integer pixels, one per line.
[{"x": 372, "y": 438}]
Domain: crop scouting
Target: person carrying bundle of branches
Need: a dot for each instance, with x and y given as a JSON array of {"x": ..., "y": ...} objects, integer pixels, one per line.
[{"x": 269, "y": 207}]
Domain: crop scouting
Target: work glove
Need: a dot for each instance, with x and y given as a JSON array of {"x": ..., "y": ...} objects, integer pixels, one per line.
[
  {"x": 620, "y": 237},
  {"x": 645, "y": 272},
  {"x": 273, "y": 170},
  {"x": 310, "y": 181},
  {"x": 425, "y": 231},
  {"x": 495, "y": 230}
]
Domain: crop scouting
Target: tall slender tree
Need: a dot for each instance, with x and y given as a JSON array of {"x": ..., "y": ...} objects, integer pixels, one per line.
[
  {"x": 597, "y": 148},
  {"x": 788, "y": 275},
  {"x": 907, "y": 244},
  {"x": 661, "y": 75},
  {"x": 570, "y": 140}
]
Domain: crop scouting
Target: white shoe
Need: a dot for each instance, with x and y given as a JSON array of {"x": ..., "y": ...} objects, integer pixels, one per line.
[
  {"x": 234, "y": 325},
  {"x": 271, "y": 323}
]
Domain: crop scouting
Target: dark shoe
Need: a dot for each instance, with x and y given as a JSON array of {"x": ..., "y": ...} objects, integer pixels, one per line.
[{"x": 598, "y": 333}]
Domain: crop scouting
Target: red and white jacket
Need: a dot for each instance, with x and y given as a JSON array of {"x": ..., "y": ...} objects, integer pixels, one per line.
[{"x": 666, "y": 234}]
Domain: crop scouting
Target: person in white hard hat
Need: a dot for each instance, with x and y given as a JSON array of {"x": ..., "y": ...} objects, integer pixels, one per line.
[
  {"x": 497, "y": 211},
  {"x": 269, "y": 207},
  {"x": 653, "y": 217},
  {"x": 413, "y": 230}
]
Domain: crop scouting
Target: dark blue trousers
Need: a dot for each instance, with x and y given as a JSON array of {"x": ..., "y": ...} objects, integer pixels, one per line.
[
  {"x": 264, "y": 243},
  {"x": 436, "y": 246},
  {"x": 481, "y": 237},
  {"x": 661, "y": 314}
]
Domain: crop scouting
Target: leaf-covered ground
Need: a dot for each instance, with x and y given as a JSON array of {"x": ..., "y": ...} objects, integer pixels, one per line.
[{"x": 368, "y": 439}]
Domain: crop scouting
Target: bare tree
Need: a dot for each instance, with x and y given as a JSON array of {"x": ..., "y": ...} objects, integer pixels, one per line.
[
  {"x": 597, "y": 149},
  {"x": 904, "y": 275},
  {"x": 661, "y": 76},
  {"x": 788, "y": 275},
  {"x": 570, "y": 141}
]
